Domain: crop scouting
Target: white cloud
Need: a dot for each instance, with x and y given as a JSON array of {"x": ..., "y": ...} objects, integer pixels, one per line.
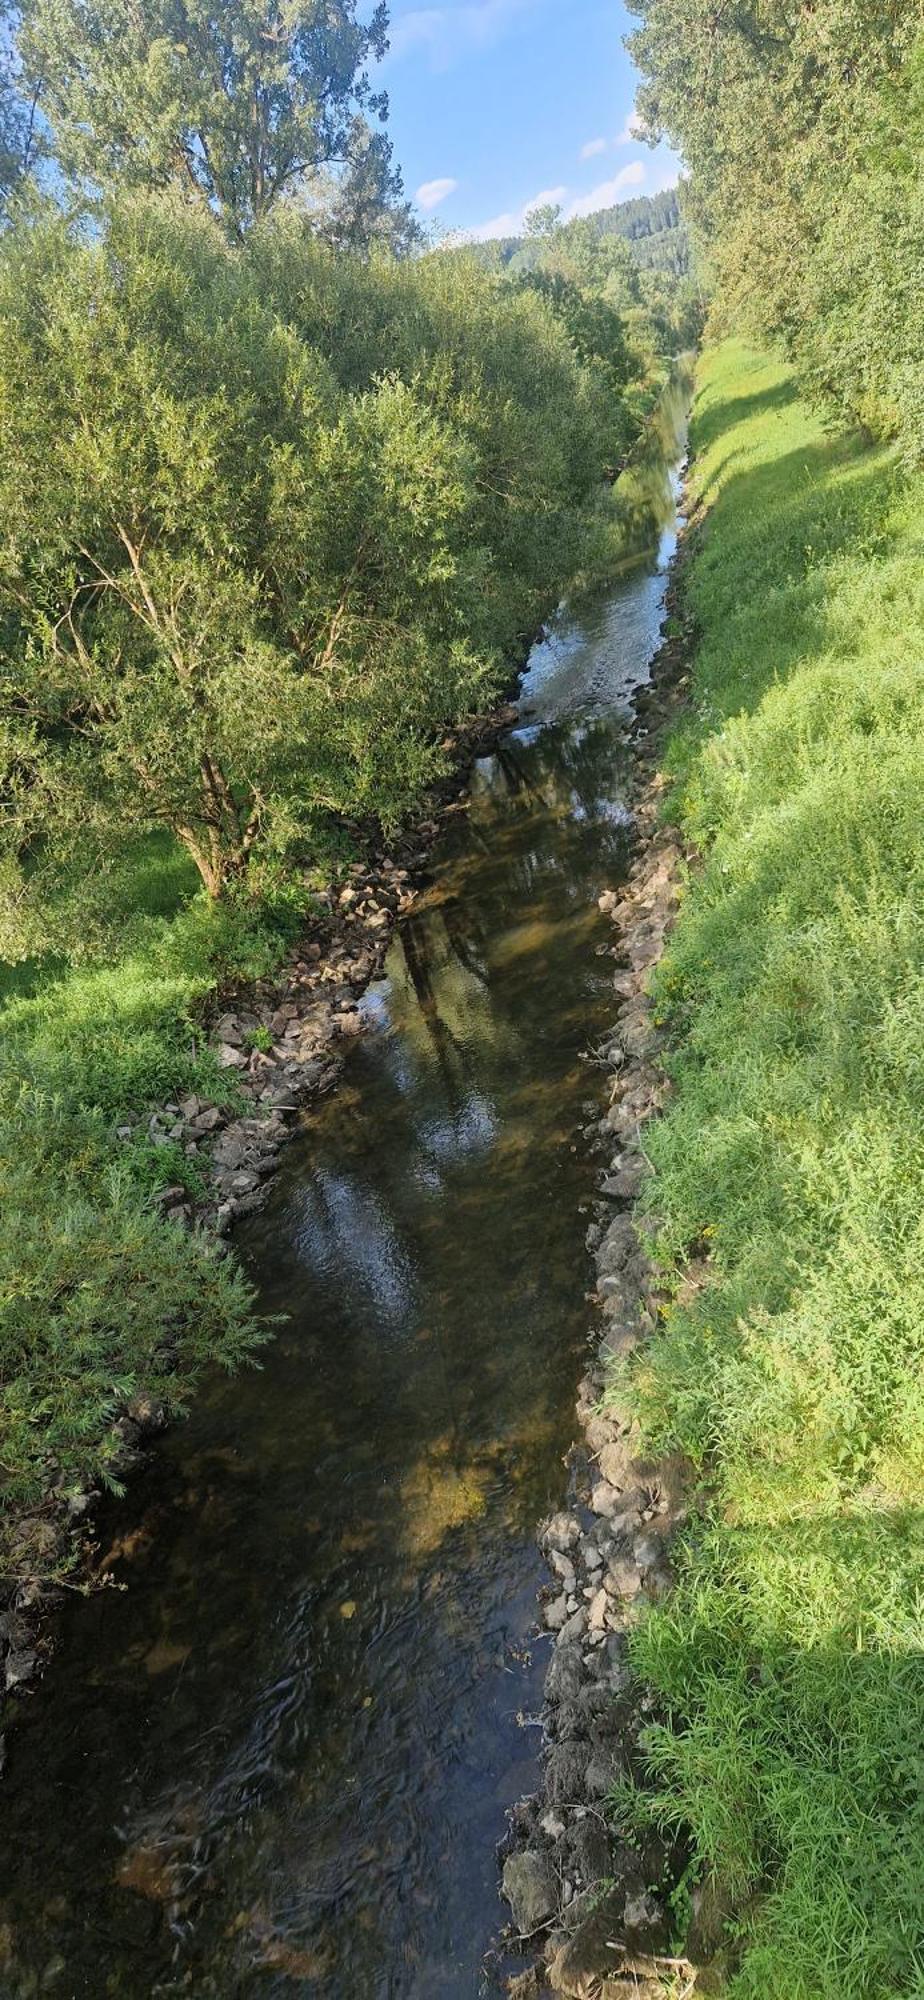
[
  {"x": 608, "y": 192},
  {"x": 432, "y": 193},
  {"x": 513, "y": 221},
  {"x": 592, "y": 148},
  {"x": 447, "y": 33},
  {"x": 633, "y": 129}
]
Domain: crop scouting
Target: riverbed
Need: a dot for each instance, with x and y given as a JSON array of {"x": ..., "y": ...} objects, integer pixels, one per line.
[{"x": 276, "y": 1756}]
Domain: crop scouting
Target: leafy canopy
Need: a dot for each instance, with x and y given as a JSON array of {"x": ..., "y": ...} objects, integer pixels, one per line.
[
  {"x": 240, "y": 102},
  {"x": 272, "y": 518}
]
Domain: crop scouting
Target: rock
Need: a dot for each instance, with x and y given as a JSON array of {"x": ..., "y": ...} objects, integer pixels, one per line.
[
  {"x": 20, "y": 1667},
  {"x": 556, "y": 1613},
  {"x": 563, "y": 1567},
  {"x": 605, "y": 1499},
  {"x": 565, "y": 1675},
  {"x": 601, "y": 1774},
  {"x": 598, "y": 1611},
  {"x": 231, "y": 1057},
  {"x": 530, "y": 1889},
  {"x": 566, "y": 1773},
  {"x": 228, "y": 1030},
  {"x": 643, "y": 1915},
  {"x": 560, "y": 1532},
  {"x": 619, "y": 1244},
  {"x": 207, "y": 1120},
  {"x": 231, "y": 1150},
  {"x": 593, "y": 1953},
  {"x": 244, "y": 1183},
  {"x": 647, "y": 1550},
  {"x": 591, "y": 1852},
  {"x": 624, "y": 1577}
]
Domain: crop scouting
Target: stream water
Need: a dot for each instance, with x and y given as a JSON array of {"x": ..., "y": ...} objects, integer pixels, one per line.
[{"x": 277, "y": 1758}]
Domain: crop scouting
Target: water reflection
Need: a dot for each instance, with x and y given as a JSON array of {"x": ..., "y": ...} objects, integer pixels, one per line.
[{"x": 279, "y": 1761}]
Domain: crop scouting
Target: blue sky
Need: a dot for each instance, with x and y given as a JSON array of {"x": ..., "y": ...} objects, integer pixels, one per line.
[{"x": 496, "y": 104}]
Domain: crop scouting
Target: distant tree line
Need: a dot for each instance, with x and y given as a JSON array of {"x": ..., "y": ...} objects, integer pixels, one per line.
[{"x": 634, "y": 257}]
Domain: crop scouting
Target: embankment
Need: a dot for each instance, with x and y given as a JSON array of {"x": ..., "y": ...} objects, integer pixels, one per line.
[{"x": 786, "y": 1177}]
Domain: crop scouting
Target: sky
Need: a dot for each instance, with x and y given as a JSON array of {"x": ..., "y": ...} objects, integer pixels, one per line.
[{"x": 499, "y": 105}]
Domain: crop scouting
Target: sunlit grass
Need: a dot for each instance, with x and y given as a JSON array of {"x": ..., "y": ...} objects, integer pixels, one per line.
[{"x": 790, "y": 1658}]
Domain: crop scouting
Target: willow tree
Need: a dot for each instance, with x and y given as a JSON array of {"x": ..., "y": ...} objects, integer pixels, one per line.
[
  {"x": 232, "y": 597},
  {"x": 239, "y": 102}
]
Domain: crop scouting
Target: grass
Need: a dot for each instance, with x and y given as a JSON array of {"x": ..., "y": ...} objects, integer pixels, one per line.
[
  {"x": 789, "y": 1658},
  {"x": 100, "y": 1299}
]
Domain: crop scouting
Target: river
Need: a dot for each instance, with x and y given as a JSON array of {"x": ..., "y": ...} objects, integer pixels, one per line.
[{"x": 276, "y": 1758}]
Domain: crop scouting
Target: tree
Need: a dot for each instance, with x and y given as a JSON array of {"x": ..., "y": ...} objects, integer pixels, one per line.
[
  {"x": 239, "y": 102},
  {"x": 273, "y": 520},
  {"x": 18, "y": 133}
]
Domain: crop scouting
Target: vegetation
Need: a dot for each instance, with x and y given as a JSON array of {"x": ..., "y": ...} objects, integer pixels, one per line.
[
  {"x": 240, "y": 107},
  {"x": 790, "y": 1374},
  {"x": 277, "y": 516},
  {"x": 803, "y": 129},
  {"x": 634, "y": 257}
]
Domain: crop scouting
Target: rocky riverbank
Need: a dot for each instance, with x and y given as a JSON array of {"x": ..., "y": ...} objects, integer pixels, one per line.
[
  {"x": 595, "y": 1904},
  {"x": 281, "y": 1040}
]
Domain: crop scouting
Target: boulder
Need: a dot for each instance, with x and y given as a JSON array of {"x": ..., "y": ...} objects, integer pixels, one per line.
[{"x": 530, "y": 1888}]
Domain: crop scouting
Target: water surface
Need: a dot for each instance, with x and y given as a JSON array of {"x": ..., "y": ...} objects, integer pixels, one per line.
[{"x": 277, "y": 1758}]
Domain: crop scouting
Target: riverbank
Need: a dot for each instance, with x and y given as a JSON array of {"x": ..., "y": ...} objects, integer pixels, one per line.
[
  {"x": 246, "y": 1036},
  {"x": 598, "y": 1898},
  {"x": 787, "y": 1179}
]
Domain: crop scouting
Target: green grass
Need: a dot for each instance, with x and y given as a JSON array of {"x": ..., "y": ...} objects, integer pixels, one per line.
[
  {"x": 99, "y": 1297},
  {"x": 790, "y": 1656}
]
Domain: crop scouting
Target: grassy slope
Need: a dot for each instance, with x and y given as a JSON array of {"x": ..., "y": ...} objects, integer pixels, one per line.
[
  {"x": 99, "y": 1297},
  {"x": 790, "y": 1656}
]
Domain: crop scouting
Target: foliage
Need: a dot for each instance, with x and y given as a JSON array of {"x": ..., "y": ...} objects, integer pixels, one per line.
[
  {"x": 788, "y": 1657},
  {"x": 274, "y": 519},
  {"x": 632, "y": 259},
  {"x": 240, "y": 106},
  {"x": 803, "y": 128}
]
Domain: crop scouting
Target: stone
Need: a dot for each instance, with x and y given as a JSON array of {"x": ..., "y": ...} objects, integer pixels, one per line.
[
  {"x": 20, "y": 1667},
  {"x": 647, "y": 1550},
  {"x": 619, "y": 1244},
  {"x": 560, "y": 1532},
  {"x": 231, "y": 1057},
  {"x": 228, "y": 1029},
  {"x": 601, "y": 1773},
  {"x": 556, "y": 1613},
  {"x": 530, "y": 1889},
  {"x": 598, "y": 1610},
  {"x": 584, "y": 1962},
  {"x": 563, "y": 1567},
  {"x": 565, "y": 1675},
  {"x": 566, "y": 1773},
  {"x": 591, "y": 1853},
  {"x": 624, "y": 1577}
]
